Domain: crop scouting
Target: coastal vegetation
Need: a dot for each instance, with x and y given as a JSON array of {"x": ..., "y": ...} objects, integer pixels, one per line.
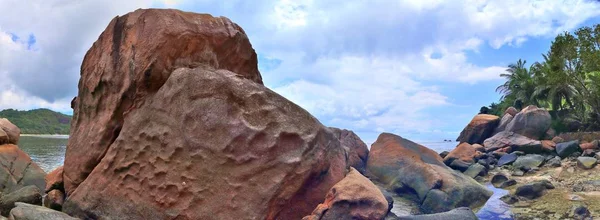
[
  {"x": 566, "y": 82},
  {"x": 38, "y": 121}
]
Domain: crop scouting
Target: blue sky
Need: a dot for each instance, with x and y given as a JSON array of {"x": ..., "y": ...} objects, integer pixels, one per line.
[{"x": 417, "y": 68}]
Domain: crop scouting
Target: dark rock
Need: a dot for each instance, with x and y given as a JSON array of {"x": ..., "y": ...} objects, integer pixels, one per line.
[
  {"x": 444, "y": 154},
  {"x": 586, "y": 162},
  {"x": 28, "y": 194},
  {"x": 582, "y": 213},
  {"x": 532, "y": 122},
  {"x": 588, "y": 153},
  {"x": 480, "y": 128},
  {"x": 530, "y": 160},
  {"x": 548, "y": 146},
  {"x": 566, "y": 149},
  {"x": 498, "y": 154},
  {"x": 509, "y": 199},
  {"x": 554, "y": 162},
  {"x": 461, "y": 213},
  {"x": 507, "y": 159},
  {"x": 498, "y": 179},
  {"x": 459, "y": 165},
  {"x": 508, "y": 183},
  {"x": 575, "y": 154},
  {"x": 24, "y": 211},
  {"x": 416, "y": 172},
  {"x": 54, "y": 200},
  {"x": 533, "y": 190},
  {"x": 475, "y": 170},
  {"x": 513, "y": 141}
]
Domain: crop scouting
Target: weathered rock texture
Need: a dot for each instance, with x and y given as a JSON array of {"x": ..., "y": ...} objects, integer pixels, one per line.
[
  {"x": 357, "y": 149},
  {"x": 212, "y": 145},
  {"x": 28, "y": 194},
  {"x": 9, "y": 133},
  {"x": 17, "y": 170},
  {"x": 417, "y": 172},
  {"x": 480, "y": 128},
  {"x": 532, "y": 122},
  {"x": 354, "y": 197},
  {"x": 131, "y": 60}
]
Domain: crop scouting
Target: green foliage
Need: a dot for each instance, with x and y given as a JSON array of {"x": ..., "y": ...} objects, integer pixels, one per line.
[
  {"x": 567, "y": 82},
  {"x": 38, "y": 121}
]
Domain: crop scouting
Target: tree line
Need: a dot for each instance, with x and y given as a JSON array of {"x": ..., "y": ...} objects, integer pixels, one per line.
[{"x": 566, "y": 82}]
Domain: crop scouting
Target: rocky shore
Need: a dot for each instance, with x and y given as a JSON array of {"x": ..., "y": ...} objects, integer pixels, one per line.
[{"x": 172, "y": 121}]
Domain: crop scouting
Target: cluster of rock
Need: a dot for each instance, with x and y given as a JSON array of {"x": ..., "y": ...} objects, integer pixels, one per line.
[
  {"x": 520, "y": 143},
  {"x": 172, "y": 121},
  {"x": 22, "y": 180}
]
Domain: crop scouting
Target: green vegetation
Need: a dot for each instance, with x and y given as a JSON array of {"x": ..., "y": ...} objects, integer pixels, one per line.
[
  {"x": 38, "y": 121},
  {"x": 567, "y": 82}
]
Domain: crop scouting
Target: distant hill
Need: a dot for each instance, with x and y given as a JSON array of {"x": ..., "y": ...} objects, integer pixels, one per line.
[{"x": 38, "y": 121}]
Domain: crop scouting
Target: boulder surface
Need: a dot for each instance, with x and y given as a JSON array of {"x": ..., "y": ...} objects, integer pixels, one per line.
[
  {"x": 531, "y": 122},
  {"x": 131, "y": 60},
  {"x": 213, "y": 145},
  {"x": 416, "y": 172},
  {"x": 357, "y": 149},
  {"x": 17, "y": 170}
]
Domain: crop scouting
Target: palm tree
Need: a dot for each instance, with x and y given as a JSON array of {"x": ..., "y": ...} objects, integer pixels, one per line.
[{"x": 519, "y": 83}]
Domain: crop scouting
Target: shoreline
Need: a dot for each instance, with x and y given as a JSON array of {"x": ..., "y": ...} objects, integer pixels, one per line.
[{"x": 46, "y": 135}]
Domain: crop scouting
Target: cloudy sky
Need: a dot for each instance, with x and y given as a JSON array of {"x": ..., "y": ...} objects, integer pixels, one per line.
[{"x": 417, "y": 68}]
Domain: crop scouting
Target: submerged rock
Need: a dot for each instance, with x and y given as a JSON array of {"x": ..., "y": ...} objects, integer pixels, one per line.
[
  {"x": 480, "y": 128},
  {"x": 414, "y": 171},
  {"x": 354, "y": 197},
  {"x": 131, "y": 60}
]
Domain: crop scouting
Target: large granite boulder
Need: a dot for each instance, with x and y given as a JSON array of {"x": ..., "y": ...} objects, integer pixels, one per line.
[
  {"x": 418, "y": 173},
  {"x": 213, "y": 145},
  {"x": 480, "y": 128},
  {"x": 17, "y": 170},
  {"x": 24, "y": 211},
  {"x": 532, "y": 122},
  {"x": 511, "y": 111},
  {"x": 464, "y": 152},
  {"x": 9, "y": 133},
  {"x": 511, "y": 141},
  {"x": 130, "y": 62},
  {"x": 354, "y": 197},
  {"x": 357, "y": 149}
]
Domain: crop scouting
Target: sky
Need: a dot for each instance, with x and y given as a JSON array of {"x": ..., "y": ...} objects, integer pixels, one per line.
[{"x": 417, "y": 68}]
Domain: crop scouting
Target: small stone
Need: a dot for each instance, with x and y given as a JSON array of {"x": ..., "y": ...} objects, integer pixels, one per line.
[
  {"x": 530, "y": 161},
  {"x": 475, "y": 170},
  {"x": 558, "y": 139},
  {"x": 554, "y": 162},
  {"x": 586, "y": 162},
  {"x": 588, "y": 153},
  {"x": 509, "y": 199},
  {"x": 571, "y": 170},
  {"x": 566, "y": 149},
  {"x": 533, "y": 190},
  {"x": 507, "y": 159},
  {"x": 498, "y": 179},
  {"x": 459, "y": 165},
  {"x": 573, "y": 197},
  {"x": 576, "y": 154},
  {"x": 510, "y": 182},
  {"x": 518, "y": 173},
  {"x": 581, "y": 212}
]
